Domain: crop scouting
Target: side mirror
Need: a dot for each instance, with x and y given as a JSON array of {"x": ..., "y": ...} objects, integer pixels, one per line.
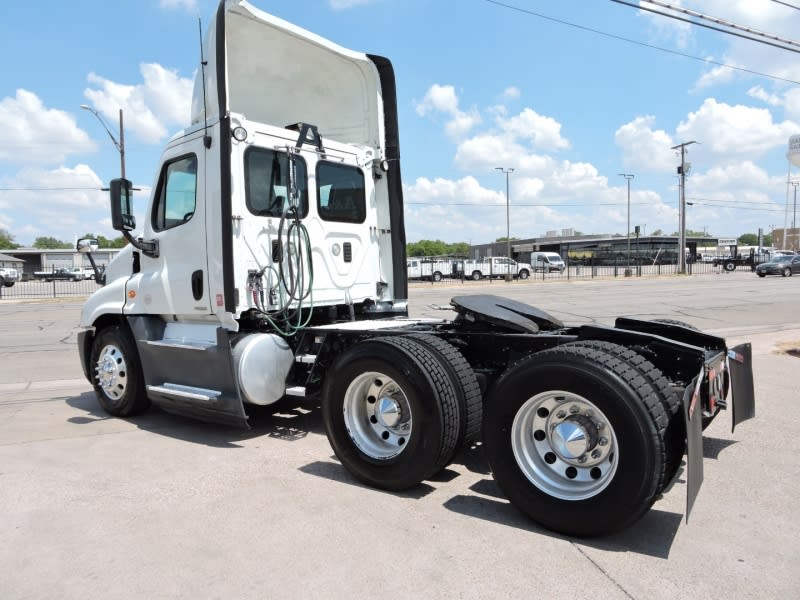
[
  {"x": 121, "y": 193},
  {"x": 87, "y": 245}
]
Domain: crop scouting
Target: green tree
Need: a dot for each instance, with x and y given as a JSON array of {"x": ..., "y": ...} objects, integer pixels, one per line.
[
  {"x": 426, "y": 248},
  {"x": 50, "y": 243},
  {"x": 657, "y": 232},
  {"x": 7, "y": 240},
  {"x": 751, "y": 239},
  {"x": 461, "y": 248},
  {"x": 504, "y": 238},
  {"x": 104, "y": 242}
]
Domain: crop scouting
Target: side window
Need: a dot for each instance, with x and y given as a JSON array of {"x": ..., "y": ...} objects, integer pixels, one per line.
[
  {"x": 177, "y": 193},
  {"x": 266, "y": 174},
  {"x": 340, "y": 193}
]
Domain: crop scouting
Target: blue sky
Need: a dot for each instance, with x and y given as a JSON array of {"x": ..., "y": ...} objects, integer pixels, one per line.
[{"x": 480, "y": 85}]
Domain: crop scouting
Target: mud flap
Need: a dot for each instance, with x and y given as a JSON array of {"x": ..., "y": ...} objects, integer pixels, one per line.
[
  {"x": 693, "y": 415},
  {"x": 740, "y": 365}
]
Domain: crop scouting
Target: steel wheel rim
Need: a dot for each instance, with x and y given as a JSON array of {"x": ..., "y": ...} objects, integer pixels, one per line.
[
  {"x": 377, "y": 415},
  {"x": 112, "y": 372},
  {"x": 547, "y": 436}
]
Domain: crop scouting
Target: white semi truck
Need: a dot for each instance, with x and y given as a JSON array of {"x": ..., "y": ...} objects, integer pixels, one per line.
[{"x": 271, "y": 263}]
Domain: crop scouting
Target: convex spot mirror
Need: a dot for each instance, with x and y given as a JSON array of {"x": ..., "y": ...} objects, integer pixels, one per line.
[
  {"x": 86, "y": 245},
  {"x": 121, "y": 193}
]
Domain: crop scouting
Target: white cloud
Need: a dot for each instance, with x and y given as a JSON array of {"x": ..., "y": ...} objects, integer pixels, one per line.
[
  {"x": 543, "y": 132},
  {"x": 759, "y": 93},
  {"x": 33, "y": 133},
  {"x": 189, "y": 5},
  {"x": 161, "y": 101},
  {"x": 644, "y": 148},
  {"x": 443, "y": 99},
  {"x": 727, "y": 130},
  {"x": 511, "y": 93},
  {"x": 63, "y": 203}
]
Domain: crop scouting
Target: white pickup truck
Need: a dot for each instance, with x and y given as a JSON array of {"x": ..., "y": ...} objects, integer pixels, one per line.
[
  {"x": 432, "y": 270},
  {"x": 496, "y": 266},
  {"x": 8, "y": 276}
]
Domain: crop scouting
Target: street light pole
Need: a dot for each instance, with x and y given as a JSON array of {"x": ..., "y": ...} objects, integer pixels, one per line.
[
  {"x": 794, "y": 216},
  {"x": 628, "y": 177},
  {"x": 508, "y": 220},
  {"x": 119, "y": 145},
  {"x": 682, "y": 207}
]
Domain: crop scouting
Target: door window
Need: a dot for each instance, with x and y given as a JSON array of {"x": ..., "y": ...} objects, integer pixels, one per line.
[{"x": 177, "y": 193}]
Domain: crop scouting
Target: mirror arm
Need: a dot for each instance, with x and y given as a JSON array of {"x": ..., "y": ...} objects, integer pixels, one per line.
[{"x": 149, "y": 248}]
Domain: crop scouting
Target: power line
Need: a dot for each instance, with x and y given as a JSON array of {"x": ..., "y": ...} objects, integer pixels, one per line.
[
  {"x": 786, "y": 4},
  {"x": 51, "y": 189},
  {"x": 708, "y": 61},
  {"x": 759, "y": 34}
]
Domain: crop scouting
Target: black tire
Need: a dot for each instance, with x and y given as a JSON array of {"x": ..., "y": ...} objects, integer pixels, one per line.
[
  {"x": 675, "y": 435},
  {"x": 677, "y": 322},
  {"x": 523, "y": 274},
  {"x": 437, "y": 276},
  {"x": 418, "y": 393},
  {"x": 762, "y": 274},
  {"x": 729, "y": 266},
  {"x": 117, "y": 374},
  {"x": 465, "y": 383},
  {"x": 476, "y": 275},
  {"x": 598, "y": 489},
  {"x": 787, "y": 272}
]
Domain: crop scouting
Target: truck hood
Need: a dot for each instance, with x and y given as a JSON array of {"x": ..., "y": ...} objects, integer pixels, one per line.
[{"x": 274, "y": 72}]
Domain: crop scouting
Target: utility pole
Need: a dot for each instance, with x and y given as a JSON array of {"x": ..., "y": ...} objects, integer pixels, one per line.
[
  {"x": 508, "y": 222},
  {"x": 682, "y": 208},
  {"x": 628, "y": 177}
]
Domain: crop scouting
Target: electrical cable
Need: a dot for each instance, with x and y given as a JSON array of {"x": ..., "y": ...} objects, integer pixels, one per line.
[
  {"x": 705, "y": 25},
  {"x": 638, "y": 43}
]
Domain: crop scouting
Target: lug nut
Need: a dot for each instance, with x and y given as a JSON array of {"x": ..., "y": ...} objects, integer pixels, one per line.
[
  {"x": 603, "y": 441},
  {"x": 573, "y": 409},
  {"x": 561, "y": 414},
  {"x": 595, "y": 453}
]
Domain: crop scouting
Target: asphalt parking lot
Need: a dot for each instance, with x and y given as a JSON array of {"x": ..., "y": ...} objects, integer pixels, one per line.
[{"x": 164, "y": 507}]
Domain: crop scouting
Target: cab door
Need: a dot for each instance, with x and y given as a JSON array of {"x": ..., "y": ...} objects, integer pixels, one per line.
[{"x": 176, "y": 281}]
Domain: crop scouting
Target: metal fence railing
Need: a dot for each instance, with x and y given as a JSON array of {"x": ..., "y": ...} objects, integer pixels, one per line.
[
  {"x": 605, "y": 269},
  {"x": 39, "y": 288}
]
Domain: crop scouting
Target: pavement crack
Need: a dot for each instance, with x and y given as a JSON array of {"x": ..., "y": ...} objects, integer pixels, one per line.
[{"x": 608, "y": 576}]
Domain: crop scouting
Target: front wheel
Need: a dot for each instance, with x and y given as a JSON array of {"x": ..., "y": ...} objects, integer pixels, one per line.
[
  {"x": 476, "y": 275},
  {"x": 762, "y": 274},
  {"x": 575, "y": 439},
  {"x": 117, "y": 374},
  {"x": 524, "y": 274},
  {"x": 437, "y": 276},
  {"x": 787, "y": 272},
  {"x": 730, "y": 266},
  {"x": 391, "y": 412}
]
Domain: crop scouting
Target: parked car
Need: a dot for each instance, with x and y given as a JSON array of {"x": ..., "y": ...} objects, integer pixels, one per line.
[
  {"x": 786, "y": 265},
  {"x": 8, "y": 276}
]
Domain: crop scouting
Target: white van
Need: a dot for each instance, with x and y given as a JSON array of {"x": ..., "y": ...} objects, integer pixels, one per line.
[{"x": 547, "y": 261}]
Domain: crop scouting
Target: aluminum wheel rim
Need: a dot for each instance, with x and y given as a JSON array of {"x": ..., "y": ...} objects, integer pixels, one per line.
[
  {"x": 112, "y": 372},
  {"x": 377, "y": 415},
  {"x": 564, "y": 445}
]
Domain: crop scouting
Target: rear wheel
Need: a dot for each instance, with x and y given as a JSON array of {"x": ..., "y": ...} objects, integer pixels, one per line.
[
  {"x": 523, "y": 274},
  {"x": 465, "y": 383},
  {"x": 476, "y": 275},
  {"x": 391, "y": 412},
  {"x": 762, "y": 274},
  {"x": 117, "y": 375},
  {"x": 575, "y": 439},
  {"x": 675, "y": 435},
  {"x": 437, "y": 276},
  {"x": 729, "y": 266},
  {"x": 787, "y": 272}
]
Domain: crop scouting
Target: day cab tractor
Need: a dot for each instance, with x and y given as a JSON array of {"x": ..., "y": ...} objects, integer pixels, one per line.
[{"x": 271, "y": 263}]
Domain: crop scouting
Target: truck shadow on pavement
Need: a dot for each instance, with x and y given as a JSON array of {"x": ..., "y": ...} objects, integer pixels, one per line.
[
  {"x": 294, "y": 419},
  {"x": 287, "y": 420}
]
